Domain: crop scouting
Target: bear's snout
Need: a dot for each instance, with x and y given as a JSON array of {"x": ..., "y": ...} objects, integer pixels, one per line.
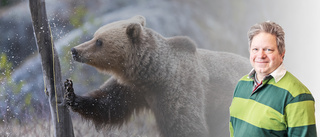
[
  {"x": 75, "y": 55},
  {"x": 74, "y": 52}
]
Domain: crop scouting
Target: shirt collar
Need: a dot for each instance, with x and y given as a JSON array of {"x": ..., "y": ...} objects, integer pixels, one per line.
[{"x": 277, "y": 74}]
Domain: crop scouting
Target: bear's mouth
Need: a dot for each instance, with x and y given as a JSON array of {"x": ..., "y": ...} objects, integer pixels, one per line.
[{"x": 78, "y": 59}]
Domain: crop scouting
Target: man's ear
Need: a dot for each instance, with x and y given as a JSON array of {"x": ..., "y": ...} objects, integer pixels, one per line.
[
  {"x": 283, "y": 54},
  {"x": 134, "y": 31}
]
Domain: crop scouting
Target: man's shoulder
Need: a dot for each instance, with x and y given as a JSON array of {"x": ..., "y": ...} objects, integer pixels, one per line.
[
  {"x": 246, "y": 78},
  {"x": 292, "y": 84}
]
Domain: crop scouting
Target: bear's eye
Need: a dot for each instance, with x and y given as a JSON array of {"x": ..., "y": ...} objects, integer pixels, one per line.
[{"x": 98, "y": 42}]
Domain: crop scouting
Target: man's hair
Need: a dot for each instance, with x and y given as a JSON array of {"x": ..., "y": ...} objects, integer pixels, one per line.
[{"x": 268, "y": 27}]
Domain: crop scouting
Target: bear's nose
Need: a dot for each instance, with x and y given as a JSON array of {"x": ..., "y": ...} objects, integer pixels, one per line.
[{"x": 74, "y": 52}]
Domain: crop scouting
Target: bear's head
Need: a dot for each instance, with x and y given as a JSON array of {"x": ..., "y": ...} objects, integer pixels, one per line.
[{"x": 108, "y": 48}]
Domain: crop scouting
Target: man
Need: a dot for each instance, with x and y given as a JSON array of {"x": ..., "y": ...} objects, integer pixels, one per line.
[{"x": 270, "y": 101}]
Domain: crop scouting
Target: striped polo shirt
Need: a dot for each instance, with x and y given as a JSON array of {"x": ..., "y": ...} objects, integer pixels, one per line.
[{"x": 282, "y": 106}]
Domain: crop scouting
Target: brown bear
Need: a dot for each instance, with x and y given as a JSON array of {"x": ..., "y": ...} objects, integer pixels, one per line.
[{"x": 188, "y": 89}]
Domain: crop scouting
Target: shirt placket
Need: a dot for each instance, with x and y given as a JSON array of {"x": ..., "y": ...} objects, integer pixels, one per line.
[
  {"x": 257, "y": 87},
  {"x": 261, "y": 84}
]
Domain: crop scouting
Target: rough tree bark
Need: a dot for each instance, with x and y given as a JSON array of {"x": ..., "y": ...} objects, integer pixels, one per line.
[{"x": 51, "y": 70}]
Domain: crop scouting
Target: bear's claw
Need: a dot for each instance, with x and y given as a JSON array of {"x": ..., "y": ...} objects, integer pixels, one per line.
[{"x": 69, "y": 95}]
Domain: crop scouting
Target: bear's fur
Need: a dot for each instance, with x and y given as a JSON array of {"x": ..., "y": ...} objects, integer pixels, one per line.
[{"x": 188, "y": 89}]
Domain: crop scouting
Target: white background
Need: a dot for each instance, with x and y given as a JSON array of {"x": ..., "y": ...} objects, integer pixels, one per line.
[{"x": 301, "y": 22}]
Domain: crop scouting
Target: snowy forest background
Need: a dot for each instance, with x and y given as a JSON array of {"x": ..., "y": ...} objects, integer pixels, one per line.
[{"x": 214, "y": 24}]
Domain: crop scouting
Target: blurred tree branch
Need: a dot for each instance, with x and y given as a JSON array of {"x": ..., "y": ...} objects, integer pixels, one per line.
[{"x": 51, "y": 70}]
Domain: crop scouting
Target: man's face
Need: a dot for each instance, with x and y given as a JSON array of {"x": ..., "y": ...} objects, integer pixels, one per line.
[{"x": 264, "y": 54}]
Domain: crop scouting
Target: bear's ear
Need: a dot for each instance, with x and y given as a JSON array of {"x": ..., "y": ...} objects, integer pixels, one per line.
[
  {"x": 140, "y": 19},
  {"x": 133, "y": 31}
]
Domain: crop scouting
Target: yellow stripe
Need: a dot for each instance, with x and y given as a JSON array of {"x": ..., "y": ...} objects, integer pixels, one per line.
[
  {"x": 257, "y": 114},
  {"x": 300, "y": 113},
  {"x": 295, "y": 87},
  {"x": 245, "y": 78},
  {"x": 231, "y": 129}
]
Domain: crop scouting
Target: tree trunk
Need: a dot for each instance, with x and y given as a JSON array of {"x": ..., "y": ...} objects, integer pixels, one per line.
[{"x": 51, "y": 70}]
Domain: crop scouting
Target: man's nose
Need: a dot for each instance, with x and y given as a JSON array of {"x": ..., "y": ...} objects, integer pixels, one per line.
[{"x": 262, "y": 54}]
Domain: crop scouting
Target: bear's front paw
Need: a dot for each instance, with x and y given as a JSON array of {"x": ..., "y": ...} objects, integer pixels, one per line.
[{"x": 69, "y": 95}]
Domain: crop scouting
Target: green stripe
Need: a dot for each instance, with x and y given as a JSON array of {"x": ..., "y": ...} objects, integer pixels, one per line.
[
  {"x": 257, "y": 114},
  {"x": 244, "y": 129},
  {"x": 300, "y": 113},
  {"x": 302, "y": 97},
  {"x": 244, "y": 89},
  {"x": 303, "y": 131}
]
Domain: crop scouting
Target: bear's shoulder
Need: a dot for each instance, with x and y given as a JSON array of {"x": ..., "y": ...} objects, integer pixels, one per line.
[{"x": 182, "y": 43}]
